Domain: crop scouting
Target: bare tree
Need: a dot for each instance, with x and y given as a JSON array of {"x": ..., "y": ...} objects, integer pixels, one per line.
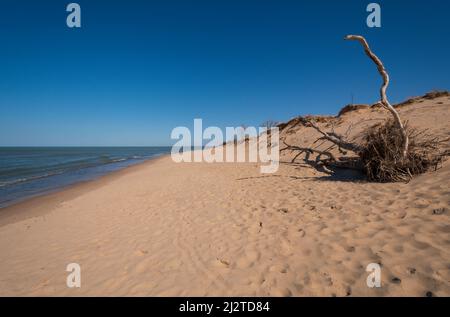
[{"x": 384, "y": 100}]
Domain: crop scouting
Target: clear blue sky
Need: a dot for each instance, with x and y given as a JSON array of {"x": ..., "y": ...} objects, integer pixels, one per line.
[{"x": 137, "y": 69}]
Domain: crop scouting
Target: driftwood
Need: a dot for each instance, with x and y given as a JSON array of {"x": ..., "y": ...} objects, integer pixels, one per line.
[
  {"x": 332, "y": 137},
  {"x": 384, "y": 100},
  {"x": 329, "y": 156}
]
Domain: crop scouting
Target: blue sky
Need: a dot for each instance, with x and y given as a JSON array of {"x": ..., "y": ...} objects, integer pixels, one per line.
[{"x": 137, "y": 69}]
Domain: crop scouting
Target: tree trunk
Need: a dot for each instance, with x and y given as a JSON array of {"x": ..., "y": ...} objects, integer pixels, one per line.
[{"x": 384, "y": 100}]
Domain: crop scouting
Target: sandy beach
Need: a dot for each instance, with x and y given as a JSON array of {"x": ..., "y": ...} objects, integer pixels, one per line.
[{"x": 224, "y": 229}]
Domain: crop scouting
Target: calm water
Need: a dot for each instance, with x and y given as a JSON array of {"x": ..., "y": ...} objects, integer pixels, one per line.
[{"x": 31, "y": 171}]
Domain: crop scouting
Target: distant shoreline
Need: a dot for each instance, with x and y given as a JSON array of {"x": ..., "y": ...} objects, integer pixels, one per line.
[
  {"x": 27, "y": 172},
  {"x": 16, "y": 210}
]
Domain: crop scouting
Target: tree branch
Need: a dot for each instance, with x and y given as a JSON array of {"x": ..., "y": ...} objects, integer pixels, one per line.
[
  {"x": 384, "y": 100},
  {"x": 309, "y": 151},
  {"x": 331, "y": 137}
]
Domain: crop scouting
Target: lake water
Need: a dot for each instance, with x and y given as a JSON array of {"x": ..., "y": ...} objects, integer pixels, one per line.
[{"x": 30, "y": 171}]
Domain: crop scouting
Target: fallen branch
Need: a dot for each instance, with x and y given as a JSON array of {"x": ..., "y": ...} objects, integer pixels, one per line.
[
  {"x": 330, "y": 136},
  {"x": 309, "y": 151},
  {"x": 353, "y": 163},
  {"x": 334, "y": 138}
]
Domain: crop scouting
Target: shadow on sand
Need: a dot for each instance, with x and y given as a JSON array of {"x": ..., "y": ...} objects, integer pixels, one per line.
[{"x": 332, "y": 173}]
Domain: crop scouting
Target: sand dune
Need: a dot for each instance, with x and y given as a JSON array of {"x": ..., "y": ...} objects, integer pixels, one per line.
[{"x": 194, "y": 229}]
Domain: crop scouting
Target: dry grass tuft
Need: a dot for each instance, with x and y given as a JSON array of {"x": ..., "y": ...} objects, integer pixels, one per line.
[
  {"x": 350, "y": 108},
  {"x": 436, "y": 94},
  {"x": 428, "y": 96},
  {"x": 318, "y": 118},
  {"x": 381, "y": 156}
]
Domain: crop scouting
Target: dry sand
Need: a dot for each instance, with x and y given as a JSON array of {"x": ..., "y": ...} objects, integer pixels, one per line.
[{"x": 167, "y": 229}]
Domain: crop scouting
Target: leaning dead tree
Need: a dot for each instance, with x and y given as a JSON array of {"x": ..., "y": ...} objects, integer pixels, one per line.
[
  {"x": 384, "y": 100},
  {"x": 390, "y": 152}
]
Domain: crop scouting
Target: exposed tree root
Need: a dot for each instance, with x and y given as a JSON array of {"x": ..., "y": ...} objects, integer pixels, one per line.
[{"x": 383, "y": 160}]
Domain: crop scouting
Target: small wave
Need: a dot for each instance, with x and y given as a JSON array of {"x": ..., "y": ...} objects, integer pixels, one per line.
[
  {"x": 81, "y": 164},
  {"x": 28, "y": 179},
  {"x": 118, "y": 160},
  {"x": 133, "y": 157}
]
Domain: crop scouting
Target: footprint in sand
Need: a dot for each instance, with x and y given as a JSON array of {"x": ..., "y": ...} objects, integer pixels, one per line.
[
  {"x": 281, "y": 292},
  {"x": 411, "y": 270},
  {"x": 141, "y": 252},
  {"x": 285, "y": 247},
  {"x": 279, "y": 268},
  {"x": 248, "y": 260},
  {"x": 350, "y": 249}
]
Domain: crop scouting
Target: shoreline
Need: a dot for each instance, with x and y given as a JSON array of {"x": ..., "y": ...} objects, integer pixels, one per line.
[{"x": 43, "y": 203}]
